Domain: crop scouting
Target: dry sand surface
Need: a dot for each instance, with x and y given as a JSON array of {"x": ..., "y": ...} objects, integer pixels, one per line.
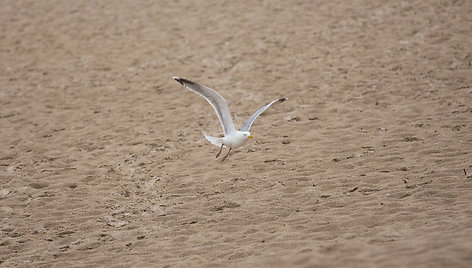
[{"x": 368, "y": 163}]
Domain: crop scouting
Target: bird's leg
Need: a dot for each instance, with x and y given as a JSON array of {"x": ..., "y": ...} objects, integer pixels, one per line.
[
  {"x": 226, "y": 154},
  {"x": 218, "y": 154}
]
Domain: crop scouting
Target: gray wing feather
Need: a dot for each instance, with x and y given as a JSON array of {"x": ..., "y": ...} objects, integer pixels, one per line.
[
  {"x": 247, "y": 125},
  {"x": 217, "y": 102}
]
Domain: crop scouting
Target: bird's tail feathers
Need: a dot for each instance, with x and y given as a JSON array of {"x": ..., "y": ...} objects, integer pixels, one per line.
[{"x": 214, "y": 140}]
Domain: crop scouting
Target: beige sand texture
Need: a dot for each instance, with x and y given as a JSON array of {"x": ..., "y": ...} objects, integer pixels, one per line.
[{"x": 368, "y": 163}]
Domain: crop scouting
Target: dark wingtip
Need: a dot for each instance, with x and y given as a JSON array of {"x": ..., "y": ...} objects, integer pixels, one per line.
[
  {"x": 182, "y": 80},
  {"x": 282, "y": 100},
  {"x": 178, "y": 79}
]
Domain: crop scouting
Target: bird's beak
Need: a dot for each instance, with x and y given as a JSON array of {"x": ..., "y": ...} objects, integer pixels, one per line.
[{"x": 250, "y": 136}]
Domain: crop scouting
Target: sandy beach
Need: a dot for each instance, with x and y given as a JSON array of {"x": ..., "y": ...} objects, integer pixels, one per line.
[{"x": 367, "y": 164}]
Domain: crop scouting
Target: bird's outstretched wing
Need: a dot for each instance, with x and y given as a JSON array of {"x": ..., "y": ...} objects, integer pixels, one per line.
[
  {"x": 218, "y": 103},
  {"x": 247, "y": 125}
]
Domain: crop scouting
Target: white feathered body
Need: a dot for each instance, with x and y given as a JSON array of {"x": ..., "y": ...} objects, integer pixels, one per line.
[{"x": 234, "y": 140}]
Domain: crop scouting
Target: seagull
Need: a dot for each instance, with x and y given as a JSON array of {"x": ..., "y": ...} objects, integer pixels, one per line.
[{"x": 232, "y": 138}]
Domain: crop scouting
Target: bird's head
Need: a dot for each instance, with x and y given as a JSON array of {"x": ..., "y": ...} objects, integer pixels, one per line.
[{"x": 248, "y": 135}]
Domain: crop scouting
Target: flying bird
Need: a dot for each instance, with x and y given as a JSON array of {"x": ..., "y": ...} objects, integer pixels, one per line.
[{"x": 232, "y": 138}]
